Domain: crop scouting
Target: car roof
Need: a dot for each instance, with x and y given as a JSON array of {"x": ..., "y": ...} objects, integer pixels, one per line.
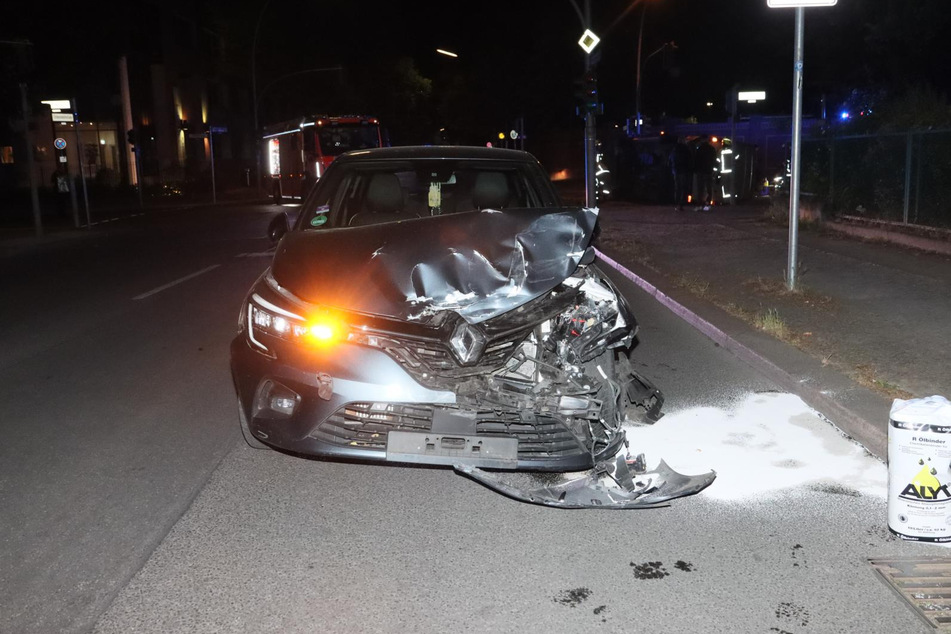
[{"x": 437, "y": 152}]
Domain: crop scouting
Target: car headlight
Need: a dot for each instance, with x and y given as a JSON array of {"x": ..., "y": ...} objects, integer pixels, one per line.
[{"x": 267, "y": 319}]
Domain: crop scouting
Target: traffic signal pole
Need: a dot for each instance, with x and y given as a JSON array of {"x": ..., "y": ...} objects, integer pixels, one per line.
[
  {"x": 590, "y": 130},
  {"x": 590, "y": 151}
]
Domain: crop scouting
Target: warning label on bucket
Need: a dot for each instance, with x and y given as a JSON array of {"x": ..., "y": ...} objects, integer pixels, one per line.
[{"x": 919, "y": 469}]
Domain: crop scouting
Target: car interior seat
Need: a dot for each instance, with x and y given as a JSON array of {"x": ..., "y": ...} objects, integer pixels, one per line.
[
  {"x": 383, "y": 202},
  {"x": 490, "y": 191}
]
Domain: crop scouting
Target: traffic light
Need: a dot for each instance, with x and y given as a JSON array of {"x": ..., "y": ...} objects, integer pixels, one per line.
[
  {"x": 590, "y": 94},
  {"x": 130, "y": 136},
  {"x": 586, "y": 92}
]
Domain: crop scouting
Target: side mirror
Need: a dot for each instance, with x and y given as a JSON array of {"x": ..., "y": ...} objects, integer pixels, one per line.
[{"x": 277, "y": 227}]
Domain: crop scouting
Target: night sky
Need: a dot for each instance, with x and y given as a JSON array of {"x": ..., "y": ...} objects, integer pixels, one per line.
[{"x": 521, "y": 58}]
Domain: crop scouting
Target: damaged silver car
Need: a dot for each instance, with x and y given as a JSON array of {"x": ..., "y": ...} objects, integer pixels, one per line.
[{"x": 438, "y": 305}]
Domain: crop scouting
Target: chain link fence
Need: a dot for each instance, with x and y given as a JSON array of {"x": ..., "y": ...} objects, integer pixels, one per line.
[{"x": 896, "y": 176}]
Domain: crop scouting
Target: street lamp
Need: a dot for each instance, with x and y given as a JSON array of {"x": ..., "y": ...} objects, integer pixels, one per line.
[
  {"x": 637, "y": 90},
  {"x": 443, "y": 51}
]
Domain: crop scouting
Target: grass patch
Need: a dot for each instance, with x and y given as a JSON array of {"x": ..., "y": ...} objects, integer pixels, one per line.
[
  {"x": 739, "y": 312},
  {"x": 620, "y": 249},
  {"x": 868, "y": 376},
  {"x": 694, "y": 284},
  {"x": 772, "y": 323},
  {"x": 771, "y": 287}
]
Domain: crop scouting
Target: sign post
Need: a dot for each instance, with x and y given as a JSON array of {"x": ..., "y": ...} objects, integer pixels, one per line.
[
  {"x": 212, "y": 131},
  {"x": 587, "y": 43},
  {"x": 794, "y": 163}
]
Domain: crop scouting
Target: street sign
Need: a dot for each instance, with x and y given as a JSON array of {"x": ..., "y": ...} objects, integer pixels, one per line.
[
  {"x": 218, "y": 129},
  {"x": 58, "y": 105},
  {"x": 588, "y": 41},
  {"x": 751, "y": 96},
  {"x": 59, "y": 143},
  {"x": 64, "y": 117},
  {"x": 782, "y": 4}
]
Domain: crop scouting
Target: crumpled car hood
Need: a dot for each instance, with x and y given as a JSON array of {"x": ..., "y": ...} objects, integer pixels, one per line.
[{"x": 479, "y": 264}]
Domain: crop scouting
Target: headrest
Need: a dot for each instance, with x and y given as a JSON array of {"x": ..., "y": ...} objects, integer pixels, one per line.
[
  {"x": 384, "y": 194},
  {"x": 490, "y": 191}
]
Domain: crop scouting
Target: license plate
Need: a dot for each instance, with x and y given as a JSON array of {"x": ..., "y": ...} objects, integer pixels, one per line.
[{"x": 451, "y": 449}]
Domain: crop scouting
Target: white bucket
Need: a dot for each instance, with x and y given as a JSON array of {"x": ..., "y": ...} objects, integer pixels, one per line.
[{"x": 919, "y": 469}]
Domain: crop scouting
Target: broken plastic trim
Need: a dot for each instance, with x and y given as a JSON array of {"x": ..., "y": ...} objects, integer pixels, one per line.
[{"x": 628, "y": 490}]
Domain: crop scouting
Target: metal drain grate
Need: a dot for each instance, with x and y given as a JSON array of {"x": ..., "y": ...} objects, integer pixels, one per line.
[{"x": 924, "y": 582}]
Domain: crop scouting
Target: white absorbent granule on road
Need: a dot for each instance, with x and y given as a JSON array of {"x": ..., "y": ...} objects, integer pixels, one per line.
[{"x": 764, "y": 443}]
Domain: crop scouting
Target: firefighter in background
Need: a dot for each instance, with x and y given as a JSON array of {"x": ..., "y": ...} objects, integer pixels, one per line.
[
  {"x": 680, "y": 169},
  {"x": 705, "y": 165}
]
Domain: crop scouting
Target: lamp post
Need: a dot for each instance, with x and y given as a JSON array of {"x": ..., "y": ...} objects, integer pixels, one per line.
[
  {"x": 637, "y": 89},
  {"x": 794, "y": 162},
  {"x": 254, "y": 97}
]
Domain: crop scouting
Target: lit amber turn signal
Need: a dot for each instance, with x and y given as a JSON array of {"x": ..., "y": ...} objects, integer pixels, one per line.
[{"x": 323, "y": 331}]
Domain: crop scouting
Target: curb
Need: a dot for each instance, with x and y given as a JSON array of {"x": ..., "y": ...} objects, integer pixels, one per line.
[
  {"x": 855, "y": 424},
  {"x": 873, "y": 232}
]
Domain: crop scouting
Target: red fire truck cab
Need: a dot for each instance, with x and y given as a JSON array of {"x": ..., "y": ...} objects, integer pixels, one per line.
[{"x": 298, "y": 151}]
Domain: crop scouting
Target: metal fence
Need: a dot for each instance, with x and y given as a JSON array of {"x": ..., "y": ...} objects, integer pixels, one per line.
[{"x": 898, "y": 176}]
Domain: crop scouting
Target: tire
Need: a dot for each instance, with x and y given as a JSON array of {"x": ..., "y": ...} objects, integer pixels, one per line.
[{"x": 249, "y": 438}]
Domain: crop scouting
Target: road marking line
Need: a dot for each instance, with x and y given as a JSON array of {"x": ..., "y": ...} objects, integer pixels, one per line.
[{"x": 178, "y": 281}]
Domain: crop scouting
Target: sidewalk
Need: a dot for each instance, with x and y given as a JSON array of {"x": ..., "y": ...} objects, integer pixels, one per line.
[{"x": 871, "y": 321}]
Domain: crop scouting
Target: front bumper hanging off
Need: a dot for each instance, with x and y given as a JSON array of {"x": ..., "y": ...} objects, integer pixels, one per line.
[{"x": 618, "y": 484}]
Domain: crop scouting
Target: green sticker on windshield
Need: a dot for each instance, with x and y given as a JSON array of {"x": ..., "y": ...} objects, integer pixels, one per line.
[{"x": 316, "y": 221}]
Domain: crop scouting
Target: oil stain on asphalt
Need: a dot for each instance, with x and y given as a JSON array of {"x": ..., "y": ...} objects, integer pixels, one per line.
[
  {"x": 650, "y": 570},
  {"x": 573, "y": 598}
]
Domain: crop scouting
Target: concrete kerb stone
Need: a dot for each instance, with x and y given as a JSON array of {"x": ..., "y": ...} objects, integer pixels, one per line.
[
  {"x": 914, "y": 241},
  {"x": 856, "y": 411}
]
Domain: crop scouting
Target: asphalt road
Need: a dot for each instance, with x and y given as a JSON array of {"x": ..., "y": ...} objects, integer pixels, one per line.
[{"x": 129, "y": 502}]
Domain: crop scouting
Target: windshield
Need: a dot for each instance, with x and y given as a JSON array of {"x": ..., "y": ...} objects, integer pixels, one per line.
[
  {"x": 337, "y": 139},
  {"x": 373, "y": 192}
]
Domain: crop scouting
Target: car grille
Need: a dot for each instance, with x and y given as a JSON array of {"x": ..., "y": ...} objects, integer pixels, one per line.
[
  {"x": 430, "y": 357},
  {"x": 545, "y": 438},
  {"x": 366, "y": 425}
]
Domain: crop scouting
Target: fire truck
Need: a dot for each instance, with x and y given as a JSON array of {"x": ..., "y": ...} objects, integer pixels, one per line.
[{"x": 298, "y": 151}]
